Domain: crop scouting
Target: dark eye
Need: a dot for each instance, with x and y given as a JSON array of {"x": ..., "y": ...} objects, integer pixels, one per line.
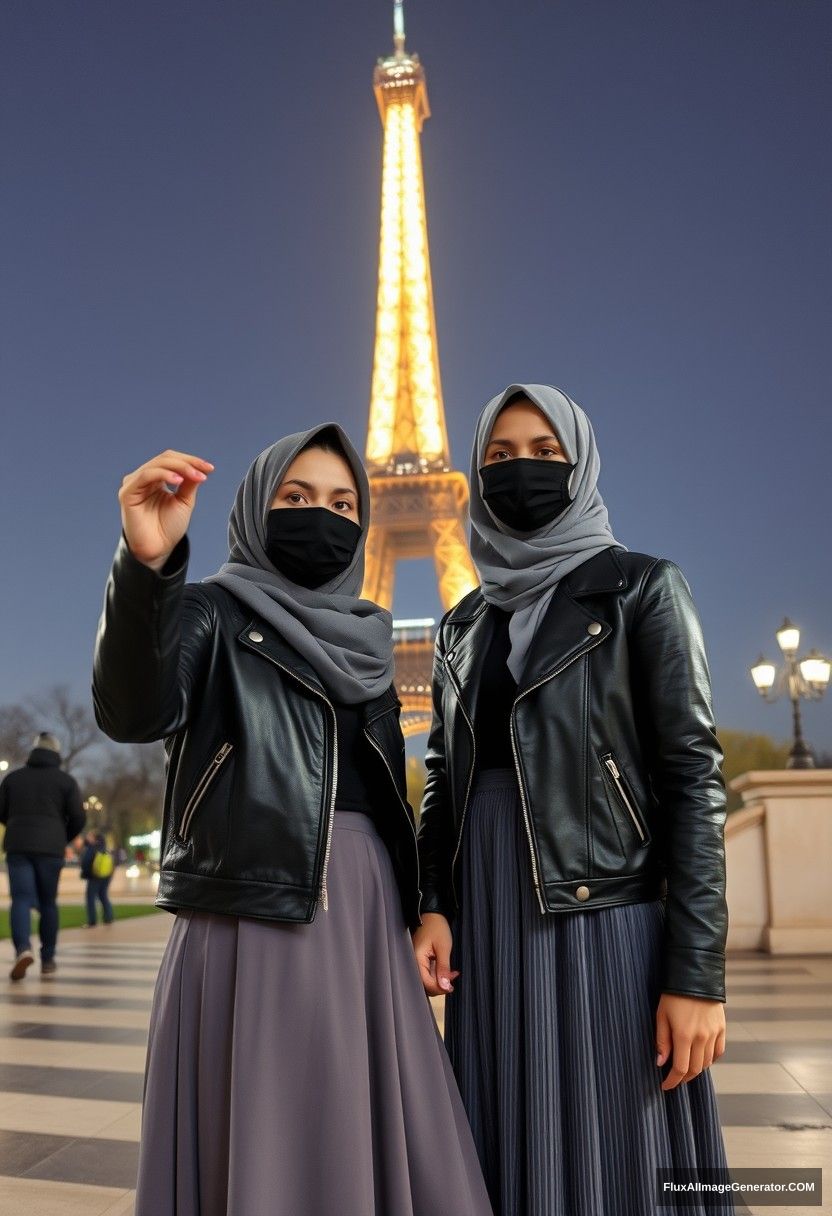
[
  {"x": 343, "y": 503},
  {"x": 549, "y": 452},
  {"x": 295, "y": 496},
  {"x": 500, "y": 454}
]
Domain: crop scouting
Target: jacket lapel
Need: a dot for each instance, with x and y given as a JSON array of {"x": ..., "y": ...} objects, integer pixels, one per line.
[
  {"x": 275, "y": 648},
  {"x": 264, "y": 640},
  {"x": 465, "y": 657},
  {"x": 569, "y": 629}
]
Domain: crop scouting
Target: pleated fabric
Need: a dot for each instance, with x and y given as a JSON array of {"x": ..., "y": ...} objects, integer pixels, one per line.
[
  {"x": 551, "y": 1033},
  {"x": 297, "y": 1070}
]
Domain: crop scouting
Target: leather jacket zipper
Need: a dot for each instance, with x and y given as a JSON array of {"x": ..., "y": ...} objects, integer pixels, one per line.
[
  {"x": 610, "y": 764},
  {"x": 322, "y": 892},
  {"x": 529, "y": 827},
  {"x": 386, "y": 763},
  {"x": 199, "y": 790}
]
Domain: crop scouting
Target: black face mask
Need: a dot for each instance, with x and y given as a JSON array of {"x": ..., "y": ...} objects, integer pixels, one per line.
[
  {"x": 525, "y": 493},
  {"x": 310, "y": 545}
]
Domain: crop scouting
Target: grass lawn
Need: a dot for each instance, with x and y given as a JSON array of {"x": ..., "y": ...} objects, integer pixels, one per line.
[{"x": 73, "y": 915}]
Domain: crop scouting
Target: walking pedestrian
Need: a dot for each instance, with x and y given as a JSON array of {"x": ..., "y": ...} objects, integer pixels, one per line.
[
  {"x": 40, "y": 804},
  {"x": 97, "y": 867}
]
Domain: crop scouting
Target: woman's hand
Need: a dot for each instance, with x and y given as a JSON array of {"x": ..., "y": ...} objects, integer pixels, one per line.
[
  {"x": 153, "y": 518},
  {"x": 432, "y": 943},
  {"x": 692, "y": 1028}
]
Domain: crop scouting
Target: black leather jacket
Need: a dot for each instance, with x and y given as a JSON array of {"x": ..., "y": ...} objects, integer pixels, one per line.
[
  {"x": 250, "y": 736},
  {"x": 616, "y": 754}
]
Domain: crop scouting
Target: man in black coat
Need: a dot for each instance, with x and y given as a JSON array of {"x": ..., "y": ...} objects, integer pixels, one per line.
[{"x": 41, "y": 807}]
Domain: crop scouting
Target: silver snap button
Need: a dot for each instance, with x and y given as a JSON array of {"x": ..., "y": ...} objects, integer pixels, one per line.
[
  {"x": 449, "y": 655},
  {"x": 255, "y": 636},
  {"x": 582, "y": 893},
  {"x": 594, "y": 627}
]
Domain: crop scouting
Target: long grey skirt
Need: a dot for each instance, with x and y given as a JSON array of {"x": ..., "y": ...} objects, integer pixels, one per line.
[
  {"x": 297, "y": 1070},
  {"x": 551, "y": 1033}
]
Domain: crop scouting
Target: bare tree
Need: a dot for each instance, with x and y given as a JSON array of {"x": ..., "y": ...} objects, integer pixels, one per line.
[
  {"x": 124, "y": 782},
  {"x": 128, "y": 780},
  {"x": 18, "y": 727},
  {"x": 71, "y": 720}
]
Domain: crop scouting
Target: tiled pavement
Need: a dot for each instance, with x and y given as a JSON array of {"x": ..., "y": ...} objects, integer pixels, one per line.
[{"x": 72, "y": 1054}]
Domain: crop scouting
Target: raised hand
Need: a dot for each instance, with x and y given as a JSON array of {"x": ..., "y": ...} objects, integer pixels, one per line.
[{"x": 154, "y": 518}]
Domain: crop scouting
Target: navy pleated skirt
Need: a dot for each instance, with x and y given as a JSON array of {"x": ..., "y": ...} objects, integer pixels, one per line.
[{"x": 551, "y": 1034}]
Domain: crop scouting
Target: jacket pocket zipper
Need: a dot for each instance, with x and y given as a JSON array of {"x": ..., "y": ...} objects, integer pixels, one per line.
[
  {"x": 201, "y": 787},
  {"x": 613, "y": 769}
]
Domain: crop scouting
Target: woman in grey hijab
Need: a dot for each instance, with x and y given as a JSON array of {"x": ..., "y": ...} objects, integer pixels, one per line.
[
  {"x": 571, "y": 833},
  {"x": 520, "y": 569},
  {"x": 294, "y": 1066}
]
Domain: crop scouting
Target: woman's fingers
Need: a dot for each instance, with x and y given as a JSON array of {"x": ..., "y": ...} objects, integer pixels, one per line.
[
  {"x": 154, "y": 519},
  {"x": 681, "y": 1062},
  {"x": 425, "y": 959},
  {"x": 696, "y": 1063},
  {"x": 444, "y": 975},
  {"x": 196, "y": 463},
  {"x": 432, "y": 943},
  {"x": 692, "y": 1028},
  {"x": 664, "y": 1041},
  {"x": 158, "y": 472}
]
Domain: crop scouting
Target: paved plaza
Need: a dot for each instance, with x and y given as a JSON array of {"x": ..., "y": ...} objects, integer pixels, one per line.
[{"x": 72, "y": 1053}]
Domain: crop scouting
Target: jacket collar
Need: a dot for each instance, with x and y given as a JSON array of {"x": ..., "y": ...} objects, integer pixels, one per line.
[
  {"x": 603, "y": 572},
  {"x": 43, "y": 757},
  {"x": 262, "y": 638},
  {"x": 562, "y": 636}
]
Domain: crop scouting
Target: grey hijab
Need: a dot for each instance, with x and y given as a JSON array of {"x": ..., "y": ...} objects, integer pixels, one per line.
[
  {"x": 348, "y": 641},
  {"x": 519, "y": 571}
]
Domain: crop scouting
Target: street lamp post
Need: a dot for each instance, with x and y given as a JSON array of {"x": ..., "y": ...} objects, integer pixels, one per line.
[
  {"x": 94, "y": 806},
  {"x": 799, "y": 679}
]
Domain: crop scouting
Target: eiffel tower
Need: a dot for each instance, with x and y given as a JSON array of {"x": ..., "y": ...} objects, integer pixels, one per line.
[{"x": 419, "y": 502}]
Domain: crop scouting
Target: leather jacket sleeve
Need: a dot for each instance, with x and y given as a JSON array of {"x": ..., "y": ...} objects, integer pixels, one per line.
[
  {"x": 436, "y": 819},
  {"x": 152, "y": 637},
  {"x": 672, "y": 688}
]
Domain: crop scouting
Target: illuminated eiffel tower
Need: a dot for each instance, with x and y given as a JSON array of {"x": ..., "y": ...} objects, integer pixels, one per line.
[{"x": 419, "y": 502}]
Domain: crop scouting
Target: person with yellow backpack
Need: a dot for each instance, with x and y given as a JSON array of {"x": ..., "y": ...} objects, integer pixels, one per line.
[{"x": 97, "y": 867}]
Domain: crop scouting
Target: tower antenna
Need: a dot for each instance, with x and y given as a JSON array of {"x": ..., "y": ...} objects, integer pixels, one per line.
[{"x": 398, "y": 26}]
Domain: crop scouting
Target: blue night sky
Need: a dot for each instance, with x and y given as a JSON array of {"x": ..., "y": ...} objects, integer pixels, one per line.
[{"x": 630, "y": 201}]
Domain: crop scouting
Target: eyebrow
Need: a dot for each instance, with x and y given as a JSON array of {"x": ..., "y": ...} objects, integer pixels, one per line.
[
  {"x": 306, "y": 485},
  {"x": 509, "y": 443}
]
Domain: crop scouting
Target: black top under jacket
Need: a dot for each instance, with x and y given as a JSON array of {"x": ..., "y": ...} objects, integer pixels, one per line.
[
  {"x": 498, "y": 688},
  {"x": 362, "y": 781}
]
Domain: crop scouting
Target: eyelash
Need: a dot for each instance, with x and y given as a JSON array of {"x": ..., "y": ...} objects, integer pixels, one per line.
[
  {"x": 503, "y": 452},
  {"x": 296, "y": 496}
]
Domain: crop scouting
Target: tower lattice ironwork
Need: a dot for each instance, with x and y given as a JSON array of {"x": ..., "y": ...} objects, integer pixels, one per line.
[{"x": 419, "y": 502}]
